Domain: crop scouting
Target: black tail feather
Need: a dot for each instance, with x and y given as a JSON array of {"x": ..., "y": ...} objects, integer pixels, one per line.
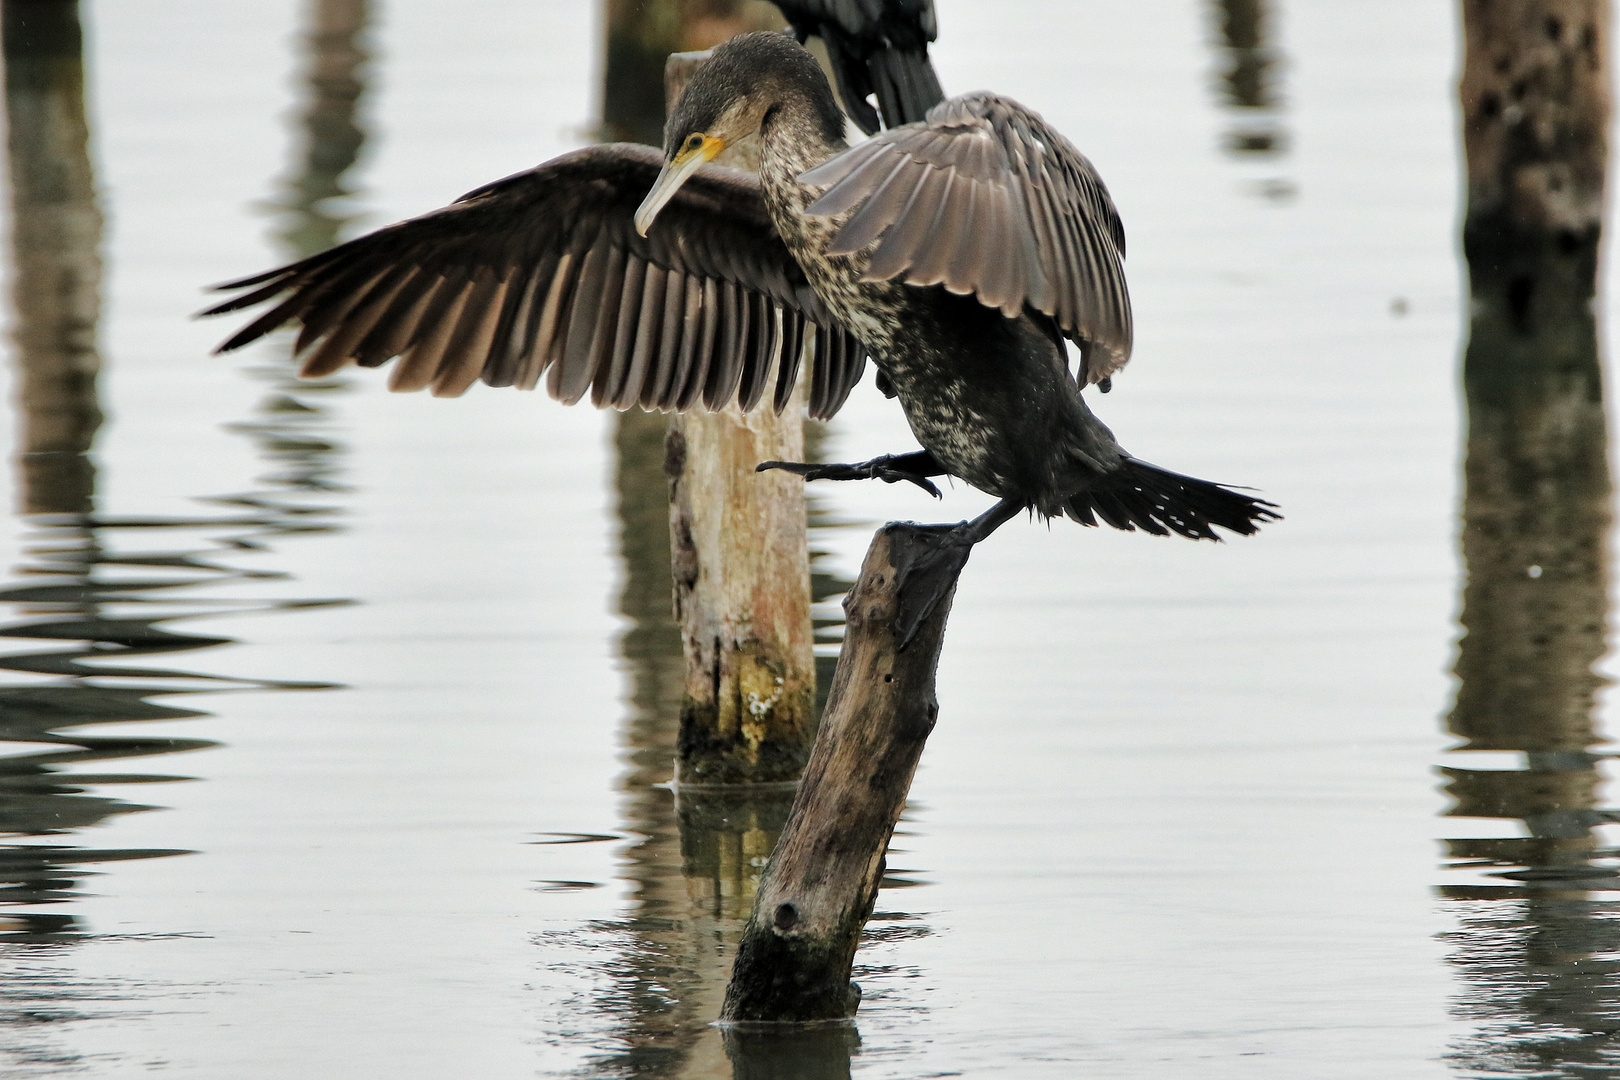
[
  {"x": 905, "y": 84},
  {"x": 1161, "y": 502},
  {"x": 900, "y": 78},
  {"x": 854, "y": 82}
]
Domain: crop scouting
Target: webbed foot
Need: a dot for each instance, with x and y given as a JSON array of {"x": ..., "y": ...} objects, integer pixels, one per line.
[
  {"x": 926, "y": 572},
  {"x": 890, "y": 468},
  {"x": 929, "y": 564}
]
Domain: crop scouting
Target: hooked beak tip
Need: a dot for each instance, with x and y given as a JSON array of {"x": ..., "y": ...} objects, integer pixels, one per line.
[
  {"x": 669, "y": 181},
  {"x": 647, "y": 212}
]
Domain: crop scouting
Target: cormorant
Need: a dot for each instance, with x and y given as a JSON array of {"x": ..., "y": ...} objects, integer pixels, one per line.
[
  {"x": 958, "y": 252},
  {"x": 877, "y": 48}
]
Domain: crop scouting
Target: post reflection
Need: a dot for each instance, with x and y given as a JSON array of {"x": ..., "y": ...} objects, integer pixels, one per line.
[
  {"x": 1248, "y": 78},
  {"x": 313, "y": 214},
  {"x": 98, "y": 596},
  {"x": 700, "y": 852},
  {"x": 820, "y": 1052},
  {"x": 55, "y": 242},
  {"x": 1537, "y": 938},
  {"x": 698, "y": 855},
  {"x": 56, "y": 301}
]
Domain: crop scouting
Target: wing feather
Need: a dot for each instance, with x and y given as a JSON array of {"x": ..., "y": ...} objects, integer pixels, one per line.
[
  {"x": 531, "y": 356},
  {"x": 756, "y": 372},
  {"x": 419, "y": 364},
  {"x": 792, "y": 351},
  {"x": 543, "y": 274},
  {"x": 467, "y": 351},
  {"x": 506, "y": 349},
  {"x": 726, "y": 374},
  {"x": 368, "y": 304},
  {"x": 985, "y": 198},
  {"x": 847, "y": 375},
  {"x": 571, "y": 376},
  {"x": 610, "y": 382},
  {"x": 553, "y": 317},
  {"x": 648, "y": 324},
  {"x": 708, "y": 335}
]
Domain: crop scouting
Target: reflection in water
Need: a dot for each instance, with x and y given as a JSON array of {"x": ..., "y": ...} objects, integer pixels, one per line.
[
  {"x": 96, "y": 595},
  {"x": 821, "y": 1052},
  {"x": 827, "y": 586},
  {"x": 698, "y": 855},
  {"x": 56, "y": 241},
  {"x": 697, "y": 858},
  {"x": 1538, "y": 931},
  {"x": 1248, "y": 75},
  {"x": 1537, "y": 937},
  {"x": 311, "y": 200},
  {"x": 1248, "y": 86}
]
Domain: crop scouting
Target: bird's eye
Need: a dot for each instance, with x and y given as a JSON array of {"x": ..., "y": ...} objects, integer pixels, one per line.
[{"x": 694, "y": 142}]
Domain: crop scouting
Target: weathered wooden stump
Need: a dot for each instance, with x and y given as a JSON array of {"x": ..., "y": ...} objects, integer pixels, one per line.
[
  {"x": 742, "y": 578},
  {"x": 794, "y": 960}
]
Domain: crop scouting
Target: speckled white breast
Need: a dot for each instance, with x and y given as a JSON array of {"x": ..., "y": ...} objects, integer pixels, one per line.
[{"x": 937, "y": 411}]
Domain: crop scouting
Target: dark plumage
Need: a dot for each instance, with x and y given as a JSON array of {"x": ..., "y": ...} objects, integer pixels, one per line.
[
  {"x": 878, "y": 48},
  {"x": 543, "y": 273},
  {"x": 958, "y": 253}
]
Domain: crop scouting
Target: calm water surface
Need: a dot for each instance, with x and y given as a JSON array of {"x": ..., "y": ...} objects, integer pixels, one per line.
[{"x": 337, "y": 718}]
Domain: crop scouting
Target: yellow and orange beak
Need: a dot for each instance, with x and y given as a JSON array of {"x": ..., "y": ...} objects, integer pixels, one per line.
[{"x": 693, "y": 156}]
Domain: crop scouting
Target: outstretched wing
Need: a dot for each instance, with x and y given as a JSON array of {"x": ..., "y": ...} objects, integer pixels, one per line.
[
  {"x": 985, "y": 198},
  {"x": 542, "y": 273},
  {"x": 877, "y": 48}
]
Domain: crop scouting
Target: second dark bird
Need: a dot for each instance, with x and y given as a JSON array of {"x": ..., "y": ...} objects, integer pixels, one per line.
[
  {"x": 877, "y": 48},
  {"x": 958, "y": 252}
]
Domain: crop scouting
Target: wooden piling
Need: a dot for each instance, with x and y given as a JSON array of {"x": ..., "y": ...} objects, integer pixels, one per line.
[
  {"x": 1535, "y": 102},
  {"x": 637, "y": 37},
  {"x": 742, "y": 579},
  {"x": 794, "y": 960}
]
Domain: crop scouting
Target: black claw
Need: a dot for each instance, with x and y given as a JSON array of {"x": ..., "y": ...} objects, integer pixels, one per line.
[{"x": 922, "y": 482}]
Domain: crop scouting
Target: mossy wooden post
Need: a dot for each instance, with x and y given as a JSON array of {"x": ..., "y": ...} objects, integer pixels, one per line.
[
  {"x": 794, "y": 961},
  {"x": 742, "y": 580}
]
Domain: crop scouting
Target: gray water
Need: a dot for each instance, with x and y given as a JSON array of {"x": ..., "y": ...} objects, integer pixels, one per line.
[{"x": 337, "y": 718}]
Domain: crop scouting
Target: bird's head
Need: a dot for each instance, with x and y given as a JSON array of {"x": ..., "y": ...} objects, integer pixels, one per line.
[{"x": 732, "y": 99}]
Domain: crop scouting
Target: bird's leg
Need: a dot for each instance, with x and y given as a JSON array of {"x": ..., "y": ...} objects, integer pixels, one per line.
[
  {"x": 922, "y": 580},
  {"x": 890, "y": 468}
]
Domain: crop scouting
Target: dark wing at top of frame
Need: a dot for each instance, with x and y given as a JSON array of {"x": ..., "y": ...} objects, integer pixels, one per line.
[
  {"x": 878, "y": 48},
  {"x": 542, "y": 273},
  {"x": 985, "y": 198}
]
